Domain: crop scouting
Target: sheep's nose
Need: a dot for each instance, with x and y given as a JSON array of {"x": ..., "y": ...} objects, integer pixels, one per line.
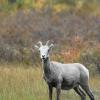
[{"x": 43, "y": 56}]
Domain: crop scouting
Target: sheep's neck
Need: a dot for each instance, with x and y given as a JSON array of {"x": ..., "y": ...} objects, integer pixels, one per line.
[{"x": 46, "y": 66}]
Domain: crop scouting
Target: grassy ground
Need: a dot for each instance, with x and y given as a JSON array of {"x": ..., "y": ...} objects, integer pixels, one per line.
[{"x": 19, "y": 83}]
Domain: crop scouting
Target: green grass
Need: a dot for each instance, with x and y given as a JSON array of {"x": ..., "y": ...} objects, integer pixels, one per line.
[{"x": 19, "y": 83}]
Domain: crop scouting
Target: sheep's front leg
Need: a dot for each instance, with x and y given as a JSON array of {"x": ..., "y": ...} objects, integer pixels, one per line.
[
  {"x": 50, "y": 91},
  {"x": 58, "y": 91}
]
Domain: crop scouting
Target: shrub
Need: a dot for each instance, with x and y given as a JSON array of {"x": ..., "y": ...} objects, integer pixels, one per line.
[{"x": 91, "y": 59}]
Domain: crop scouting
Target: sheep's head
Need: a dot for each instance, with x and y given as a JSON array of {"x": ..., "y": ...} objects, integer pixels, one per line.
[{"x": 44, "y": 50}]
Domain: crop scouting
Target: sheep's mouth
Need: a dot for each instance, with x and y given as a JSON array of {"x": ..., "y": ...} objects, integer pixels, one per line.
[{"x": 44, "y": 59}]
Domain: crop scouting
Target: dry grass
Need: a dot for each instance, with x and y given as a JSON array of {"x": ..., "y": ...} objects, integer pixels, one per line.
[{"x": 19, "y": 83}]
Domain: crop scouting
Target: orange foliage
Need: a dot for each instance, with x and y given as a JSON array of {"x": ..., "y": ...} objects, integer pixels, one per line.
[
  {"x": 70, "y": 55},
  {"x": 78, "y": 42},
  {"x": 77, "y": 39}
]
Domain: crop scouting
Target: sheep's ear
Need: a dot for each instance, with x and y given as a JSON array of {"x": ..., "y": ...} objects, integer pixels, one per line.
[
  {"x": 52, "y": 45},
  {"x": 36, "y": 47}
]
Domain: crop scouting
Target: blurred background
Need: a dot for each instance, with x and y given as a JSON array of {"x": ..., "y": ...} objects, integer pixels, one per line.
[{"x": 72, "y": 25}]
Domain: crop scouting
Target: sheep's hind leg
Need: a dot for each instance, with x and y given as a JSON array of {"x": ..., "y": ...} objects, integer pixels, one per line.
[
  {"x": 88, "y": 91},
  {"x": 80, "y": 92}
]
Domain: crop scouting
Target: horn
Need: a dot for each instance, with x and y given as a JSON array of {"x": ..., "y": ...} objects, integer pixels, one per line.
[
  {"x": 47, "y": 42},
  {"x": 40, "y": 43}
]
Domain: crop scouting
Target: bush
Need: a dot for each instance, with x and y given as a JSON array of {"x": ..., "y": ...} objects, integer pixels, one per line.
[{"x": 91, "y": 59}]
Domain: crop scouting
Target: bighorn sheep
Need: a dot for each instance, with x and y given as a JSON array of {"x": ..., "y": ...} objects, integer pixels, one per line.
[{"x": 64, "y": 76}]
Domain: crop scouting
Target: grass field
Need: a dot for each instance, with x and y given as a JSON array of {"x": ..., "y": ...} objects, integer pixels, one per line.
[{"x": 26, "y": 83}]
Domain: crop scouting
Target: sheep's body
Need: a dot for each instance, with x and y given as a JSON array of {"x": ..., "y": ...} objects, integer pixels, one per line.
[
  {"x": 71, "y": 75},
  {"x": 64, "y": 76}
]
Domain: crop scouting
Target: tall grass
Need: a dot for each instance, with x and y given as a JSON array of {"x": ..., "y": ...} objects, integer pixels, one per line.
[{"x": 20, "y": 83}]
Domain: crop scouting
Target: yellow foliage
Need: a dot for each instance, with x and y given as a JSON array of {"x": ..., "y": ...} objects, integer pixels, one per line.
[
  {"x": 60, "y": 7},
  {"x": 16, "y": 52},
  {"x": 39, "y": 4},
  {"x": 26, "y": 51},
  {"x": 3, "y": 1},
  {"x": 27, "y": 2},
  {"x": 79, "y": 4}
]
